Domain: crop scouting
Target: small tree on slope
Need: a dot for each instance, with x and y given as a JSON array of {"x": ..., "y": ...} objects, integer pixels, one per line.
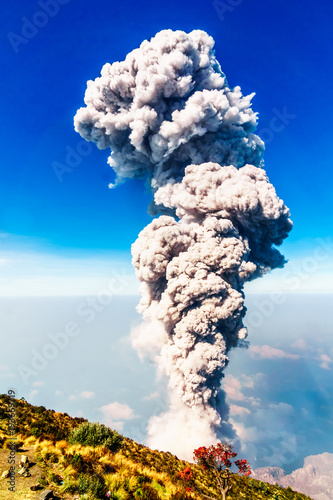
[{"x": 218, "y": 460}]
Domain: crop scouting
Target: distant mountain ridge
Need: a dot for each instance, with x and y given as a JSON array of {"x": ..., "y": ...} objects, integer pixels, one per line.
[{"x": 315, "y": 478}]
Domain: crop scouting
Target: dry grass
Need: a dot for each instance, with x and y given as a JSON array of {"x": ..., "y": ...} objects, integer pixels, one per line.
[{"x": 133, "y": 472}]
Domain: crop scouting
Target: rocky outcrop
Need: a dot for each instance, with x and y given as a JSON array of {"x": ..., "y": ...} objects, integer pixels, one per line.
[{"x": 314, "y": 479}]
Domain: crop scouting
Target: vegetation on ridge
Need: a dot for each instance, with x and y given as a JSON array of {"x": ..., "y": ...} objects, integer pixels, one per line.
[
  {"x": 95, "y": 434},
  {"x": 125, "y": 472}
]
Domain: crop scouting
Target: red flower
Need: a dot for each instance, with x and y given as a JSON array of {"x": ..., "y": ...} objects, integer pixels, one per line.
[
  {"x": 185, "y": 474},
  {"x": 243, "y": 467}
]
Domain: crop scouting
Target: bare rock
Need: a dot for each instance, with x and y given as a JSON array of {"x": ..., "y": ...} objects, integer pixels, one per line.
[
  {"x": 24, "y": 459},
  {"x": 314, "y": 479},
  {"x": 46, "y": 495},
  {"x": 5, "y": 474},
  {"x": 270, "y": 475},
  {"x": 35, "y": 487},
  {"x": 24, "y": 472}
]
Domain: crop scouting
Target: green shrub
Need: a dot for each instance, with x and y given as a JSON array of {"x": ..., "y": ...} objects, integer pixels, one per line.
[
  {"x": 95, "y": 434},
  {"x": 143, "y": 479},
  {"x": 52, "y": 457},
  {"x": 93, "y": 485},
  {"x": 35, "y": 431},
  {"x": 40, "y": 410},
  {"x": 54, "y": 477},
  {"x": 262, "y": 486},
  {"x": 146, "y": 492},
  {"x": 77, "y": 461},
  {"x": 69, "y": 486}
]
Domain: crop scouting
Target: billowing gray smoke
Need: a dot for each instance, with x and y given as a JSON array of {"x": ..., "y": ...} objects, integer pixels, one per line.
[{"x": 168, "y": 114}]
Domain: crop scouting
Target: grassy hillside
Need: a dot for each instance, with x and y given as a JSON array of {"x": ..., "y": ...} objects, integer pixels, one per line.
[{"x": 124, "y": 470}]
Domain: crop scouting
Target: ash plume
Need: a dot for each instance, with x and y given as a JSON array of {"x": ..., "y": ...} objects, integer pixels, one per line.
[{"x": 168, "y": 115}]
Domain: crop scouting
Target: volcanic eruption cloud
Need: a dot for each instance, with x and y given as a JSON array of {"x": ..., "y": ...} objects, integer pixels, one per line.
[{"x": 168, "y": 115}]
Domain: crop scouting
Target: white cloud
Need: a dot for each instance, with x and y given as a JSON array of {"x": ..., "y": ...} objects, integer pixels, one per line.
[
  {"x": 82, "y": 395},
  {"x": 238, "y": 410},
  {"x": 282, "y": 408},
  {"x": 245, "y": 433},
  {"x": 232, "y": 388},
  {"x": 5, "y": 373},
  {"x": 32, "y": 394},
  {"x": 325, "y": 362},
  {"x": 38, "y": 383},
  {"x": 58, "y": 393},
  {"x": 153, "y": 395},
  {"x": 248, "y": 381},
  {"x": 300, "y": 344},
  {"x": 268, "y": 352},
  {"x": 148, "y": 338},
  {"x": 115, "y": 413},
  {"x": 87, "y": 394}
]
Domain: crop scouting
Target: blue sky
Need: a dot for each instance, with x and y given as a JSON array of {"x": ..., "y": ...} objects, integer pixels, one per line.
[
  {"x": 279, "y": 50},
  {"x": 66, "y": 237},
  {"x": 271, "y": 49}
]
